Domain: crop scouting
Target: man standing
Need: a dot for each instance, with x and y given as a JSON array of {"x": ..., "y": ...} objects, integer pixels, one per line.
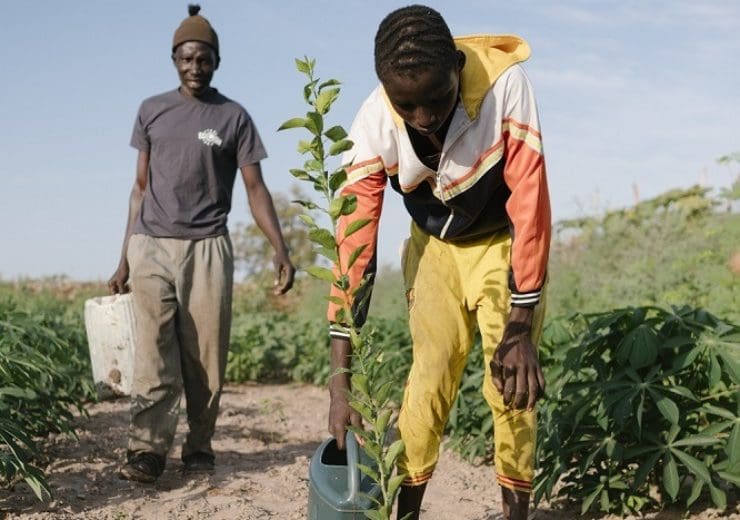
[{"x": 191, "y": 141}]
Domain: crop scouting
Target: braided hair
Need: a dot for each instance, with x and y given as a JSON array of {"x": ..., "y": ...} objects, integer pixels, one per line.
[{"x": 413, "y": 39}]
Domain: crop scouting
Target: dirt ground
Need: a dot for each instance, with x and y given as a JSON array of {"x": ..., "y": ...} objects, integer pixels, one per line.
[{"x": 264, "y": 440}]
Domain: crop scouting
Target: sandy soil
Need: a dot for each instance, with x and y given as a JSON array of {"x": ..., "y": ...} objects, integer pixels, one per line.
[{"x": 264, "y": 441}]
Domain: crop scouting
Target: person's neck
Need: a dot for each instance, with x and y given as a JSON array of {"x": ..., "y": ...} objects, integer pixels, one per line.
[{"x": 200, "y": 96}]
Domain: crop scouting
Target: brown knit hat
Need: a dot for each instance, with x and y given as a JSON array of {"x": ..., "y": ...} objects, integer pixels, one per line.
[{"x": 195, "y": 28}]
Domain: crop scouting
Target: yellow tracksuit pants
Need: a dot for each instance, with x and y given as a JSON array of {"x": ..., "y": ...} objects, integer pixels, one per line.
[{"x": 452, "y": 289}]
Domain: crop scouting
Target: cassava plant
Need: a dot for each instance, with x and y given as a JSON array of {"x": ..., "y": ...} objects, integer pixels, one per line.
[
  {"x": 370, "y": 391},
  {"x": 646, "y": 399}
]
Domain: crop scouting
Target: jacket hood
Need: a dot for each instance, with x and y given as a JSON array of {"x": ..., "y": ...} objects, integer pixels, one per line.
[{"x": 486, "y": 58}]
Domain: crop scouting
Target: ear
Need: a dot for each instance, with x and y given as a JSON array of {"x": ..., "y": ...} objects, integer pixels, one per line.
[
  {"x": 217, "y": 62},
  {"x": 460, "y": 60}
]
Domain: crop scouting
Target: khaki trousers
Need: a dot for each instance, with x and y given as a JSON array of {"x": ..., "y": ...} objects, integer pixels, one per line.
[{"x": 182, "y": 302}]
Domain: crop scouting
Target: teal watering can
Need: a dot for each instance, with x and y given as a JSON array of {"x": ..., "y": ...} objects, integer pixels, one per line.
[{"x": 338, "y": 489}]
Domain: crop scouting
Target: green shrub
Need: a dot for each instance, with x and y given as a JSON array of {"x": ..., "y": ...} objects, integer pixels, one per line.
[
  {"x": 277, "y": 347},
  {"x": 670, "y": 250},
  {"x": 644, "y": 397},
  {"x": 44, "y": 376}
]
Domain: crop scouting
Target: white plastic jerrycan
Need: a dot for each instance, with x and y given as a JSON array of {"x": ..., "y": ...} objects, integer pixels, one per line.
[{"x": 110, "y": 326}]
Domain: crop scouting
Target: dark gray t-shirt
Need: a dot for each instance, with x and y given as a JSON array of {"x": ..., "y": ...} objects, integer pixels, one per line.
[{"x": 195, "y": 147}]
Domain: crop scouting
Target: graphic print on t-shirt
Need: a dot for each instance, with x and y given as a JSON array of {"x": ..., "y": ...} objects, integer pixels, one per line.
[{"x": 209, "y": 137}]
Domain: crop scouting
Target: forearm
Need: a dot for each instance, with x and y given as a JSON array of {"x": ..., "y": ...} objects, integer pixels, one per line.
[
  {"x": 134, "y": 207},
  {"x": 265, "y": 216}
]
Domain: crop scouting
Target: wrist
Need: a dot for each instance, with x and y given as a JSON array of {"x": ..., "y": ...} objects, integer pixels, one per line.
[
  {"x": 521, "y": 315},
  {"x": 282, "y": 249},
  {"x": 338, "y": 384}
]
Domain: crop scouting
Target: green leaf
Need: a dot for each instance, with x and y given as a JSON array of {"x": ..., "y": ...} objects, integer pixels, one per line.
[
  {"x": 373, "y": 450},
  {"x": 329, "y": 253},
  {"x": 718, "y": 497},
  {"x": 382, "y": 394},
  {"x": 586, "y": 505},
  {"x": 303, "y": 66},
  {"x": 693, "y": 464},
  {"x": 337, "y": 179},
  {"x": 329, "y": 83},
  {"x": 314, "y": 123},
  {"x": 394, "y": 483},
  {"x": 732, "y": 365},
  {"x": 349, "y": 204},
  {"x": 394, "y": 450},
  {"x": 356, "y": 225},
  {"x": 686, "y": 359},
  {"x": 340, "y": 147},
  {"x": 384, "y": 417},
  {"x": 314, "y": 165},
  {"x": 670, "y": 477},
  {"x": 695, "y": 491},
  {"x": 639, "y": 347},
  {"x": 325, "y": 100},
  {"x": 307, "y": 220},
  {"x": 364, "y": 411},
  {"x": 696, "y": 440},
  {"x": 308, "y": 90},
  {"x": 644, "y": 470},
  {"x": 19, "y": 393},
  {"x": 296, "y": 122},
  {"x": 336, "y": 133},
  {"x": 301, "y": 175},
  {"x": 322, "y": 273},
  {"x": 355, "y": 255},
  {"x": 335, "y": 207},
  {"x": 733, "y": 478},
  {"x": 304, "y": 147},
  {"x": 667, "y": 408},
  {"x": 323, "y": 237},
  {"x": 359, "y": 382},
  {"x": 370, "y": 472},
  {"x": 336, "y": 300},
  {"x": 715, "y": 371}
]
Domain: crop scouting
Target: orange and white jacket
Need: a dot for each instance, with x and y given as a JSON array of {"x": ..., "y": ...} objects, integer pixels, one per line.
[{"x": 491, "y": 174}]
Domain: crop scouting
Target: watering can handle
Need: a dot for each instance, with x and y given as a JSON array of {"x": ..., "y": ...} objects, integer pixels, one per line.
[{"x": 353, "y": 472}]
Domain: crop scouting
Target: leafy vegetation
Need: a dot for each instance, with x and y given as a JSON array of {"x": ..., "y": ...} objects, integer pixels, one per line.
[
  {"x": 643, "y": 398},
  {"x": 670, "y": 250},
  {"x": 44, "y": 375}
]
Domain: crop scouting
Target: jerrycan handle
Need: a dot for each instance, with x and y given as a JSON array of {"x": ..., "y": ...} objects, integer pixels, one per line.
[{"x": 353, "y": 471}]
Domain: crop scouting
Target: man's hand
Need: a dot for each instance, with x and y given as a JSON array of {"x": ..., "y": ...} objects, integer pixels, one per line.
[
  {"x": 118, "y": 282},
  {"x": 515, "y": 368},
  {"x": 284, "y": 273}
]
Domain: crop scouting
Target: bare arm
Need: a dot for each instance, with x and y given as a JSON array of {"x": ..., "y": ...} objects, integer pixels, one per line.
[
  {"x": 263, "y": 211},
  {"x": 118, "y": 282},
  {"x": 341, "y": 414}
]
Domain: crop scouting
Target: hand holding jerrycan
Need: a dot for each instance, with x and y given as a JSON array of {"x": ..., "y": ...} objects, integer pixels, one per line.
[{"x": 338, "y": 489}]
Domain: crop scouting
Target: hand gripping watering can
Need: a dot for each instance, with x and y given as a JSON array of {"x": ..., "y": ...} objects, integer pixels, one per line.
[{"x": 338, "y": 489}]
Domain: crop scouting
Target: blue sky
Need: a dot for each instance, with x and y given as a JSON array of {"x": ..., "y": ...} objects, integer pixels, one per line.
[{"x": 631, "y": 93}]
